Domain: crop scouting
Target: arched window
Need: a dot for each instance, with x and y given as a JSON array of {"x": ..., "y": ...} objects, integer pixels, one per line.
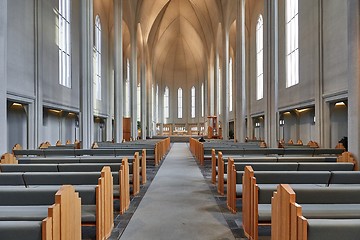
[
  {"x": 230, "y": 86},
  {"x": 219, "y": 91},
  {"x": 166, "y": 103},
  {"x": 138, "y": 102},
  {"x": 97, "y": 59},
  {"x": 193, "y": 102},
  {"x": 180, "y": 103},
  {"x": 127, "y": 89},
  {"x": 157, "y": 104},
  {"x": 292, "y": 43},
  {"x": 64, "y": 43},
  {"x": 202, "y": 100},
  {"x": 260, "y": 58}
]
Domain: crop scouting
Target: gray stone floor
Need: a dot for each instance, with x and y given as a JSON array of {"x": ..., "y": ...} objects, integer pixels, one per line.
[{"x": 178, "y": 204}]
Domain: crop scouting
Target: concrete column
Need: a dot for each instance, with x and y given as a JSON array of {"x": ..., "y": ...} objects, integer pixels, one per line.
[
  {"x": 206, "y": 102},
  {"x": 144, "y": 111},
  {"x": 225, "y": 86},
  {"x": 133, "y": 81},
  {"x": 37, "y": 127},
  {"x": 3, "y": 76},
  {"x": 271, "y": 74},
  {"x": 321, "y": 122},
  {"x": 119, "y": 72},
  {"x": 86, "y": 74},
  {"x": 354, "y": 77},
  {"x": 240, "y": 73},
  {"x": 216, "y": 83}
]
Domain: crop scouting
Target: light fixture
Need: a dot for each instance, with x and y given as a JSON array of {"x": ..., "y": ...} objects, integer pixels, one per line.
[
  {"x": 17, "y": 105},
  {"x": 302, "y": 110},
  {"x": 55, "y": 111},
  {"x": 287, "y": 113},
  {"x": 340, "y": 104}
]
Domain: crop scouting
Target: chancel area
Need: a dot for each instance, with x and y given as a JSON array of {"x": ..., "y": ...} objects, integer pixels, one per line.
[{"x": 179, "y": 119}]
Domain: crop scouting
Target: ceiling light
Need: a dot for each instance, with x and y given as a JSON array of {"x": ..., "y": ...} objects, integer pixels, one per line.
[{"x": 340, "y": 104}]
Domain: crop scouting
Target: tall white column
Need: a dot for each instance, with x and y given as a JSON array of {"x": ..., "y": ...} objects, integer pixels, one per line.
[
  {"x": 240, "y": 68},
  {"x": 225, "y": 85},
  {"x": 271, "y": 73},
  {"x": 133, "y": 81},
  {"x": 322, "y": 126},
  {"x": 86, "y": 74},
  {"x": 3, "y": 76},
  {"x": 119, "y": 72},
  {"x": 354, "y": 77},
  {"x": 35, "y": 135},
  {"x": 143, "y": 94}
]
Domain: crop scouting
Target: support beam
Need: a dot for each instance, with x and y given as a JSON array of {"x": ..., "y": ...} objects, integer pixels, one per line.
[
  {"x": 143, "y": 98},
  {"x": 271, "y": 75},
  {"x": 322, "y": 123},
  {"x": 37, "y": 137},
  {"x": 119, "y": 73},
  {"x": 240, "y": 68},
  {"x": 354, "y": 77},
  {"x": 3, "y": 76},
  {"x": 133, "y": 81},
  {"x": 225, "y": 85},
  {"x": 86, "y": 76}
]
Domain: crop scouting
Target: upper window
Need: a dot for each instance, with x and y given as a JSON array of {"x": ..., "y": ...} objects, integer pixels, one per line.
[
  {"x": 138, "y": 102},
  {"x": 64, "y": 43},
  {"x": 259, "y": 58},
  {"x": 166, "y": 103},
  {"x": 157, "y": 104},
  {"x": 127, "y": 90},
  {"x": 193, "y": 102},
  {"x": 180, "y": 99},
  {"x": 230, "y": 86},
  {"x": 219, "y": 92},
  {"x": 97, "y": 59},
  {"x": 202, "y": 100},
  {"x": 292, "y": 43}
]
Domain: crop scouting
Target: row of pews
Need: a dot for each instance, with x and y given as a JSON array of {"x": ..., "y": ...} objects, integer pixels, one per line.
[
  {"x": 51, "y": 193},
  {"x": 301, "y": 192}
]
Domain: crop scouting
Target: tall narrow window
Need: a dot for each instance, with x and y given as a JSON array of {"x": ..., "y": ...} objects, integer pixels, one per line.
[
  {"x": 157, "y": 104},
  {"x": 202, "y": 100},
  {"x": 230, "y": 86},
  {"x": 138, "y": 107},
  {"x": 180, "y": 99},
  {"x": 97, "y": 59},
  {"x": 166, "y": 103},
  {"x": 127, "y": 89},
  {"x": 219, "y": 91},
  {"x": 292, "y": 43},
  {"x": 193, "y": 102},
  {"x": 64, "y": 43},
  {"x": 259, "y": 58}
]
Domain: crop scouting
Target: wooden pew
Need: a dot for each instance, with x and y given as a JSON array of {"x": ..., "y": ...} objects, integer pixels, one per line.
[
  {"x": 101, "y": 195},
  {"x": 312, "y": 213},
  {"x": 63, "y": 220}
]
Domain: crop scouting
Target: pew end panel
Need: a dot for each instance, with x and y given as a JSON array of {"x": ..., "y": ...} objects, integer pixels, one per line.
[
  {"x": 143, "y": 166},
  {"x": 220, "y": 174},
  {"x": 348, "y": 157},
  {"x": 8, "y": 158},
  {"x": 246, "y": 199},
  {"x": 213, "y": 166}
]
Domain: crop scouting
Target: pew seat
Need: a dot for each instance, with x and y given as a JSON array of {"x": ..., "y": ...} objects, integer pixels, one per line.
[
  {"x": 333, "y": 229},
  {"x": 29, "y": 230}
]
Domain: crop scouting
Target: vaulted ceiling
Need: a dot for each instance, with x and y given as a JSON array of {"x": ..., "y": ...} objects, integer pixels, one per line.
[{"x": 179, "y": 34}]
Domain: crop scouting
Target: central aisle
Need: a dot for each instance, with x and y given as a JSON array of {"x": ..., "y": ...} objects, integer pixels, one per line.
[{"x": 178, "y": 204}]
